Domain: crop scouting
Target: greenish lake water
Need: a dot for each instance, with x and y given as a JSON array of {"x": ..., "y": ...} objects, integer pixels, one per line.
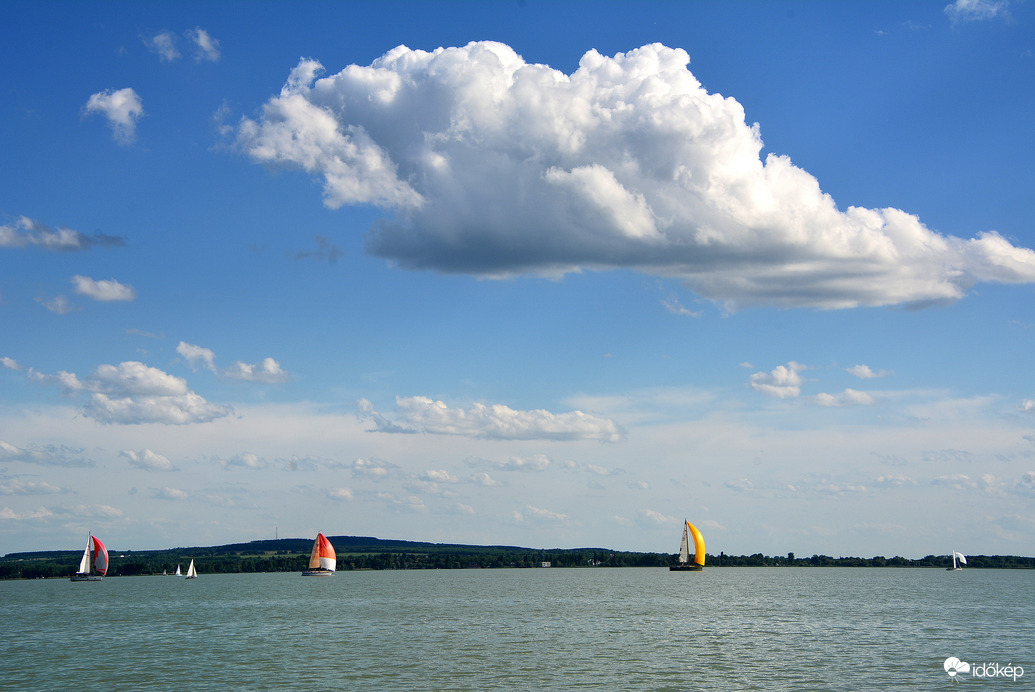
[{"x": 531, "y": 629}]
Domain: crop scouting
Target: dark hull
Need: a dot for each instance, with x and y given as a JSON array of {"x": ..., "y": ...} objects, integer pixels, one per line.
[
  {"x": 317, "y": 573},
  {"x": 686, "y": 568}
]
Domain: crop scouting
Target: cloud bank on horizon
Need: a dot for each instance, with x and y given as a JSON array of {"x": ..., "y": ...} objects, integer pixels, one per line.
[{"x": 494, "y": 167}]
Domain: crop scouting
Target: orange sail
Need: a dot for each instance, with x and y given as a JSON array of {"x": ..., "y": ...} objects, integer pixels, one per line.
[{"x": 322, "y": 558}]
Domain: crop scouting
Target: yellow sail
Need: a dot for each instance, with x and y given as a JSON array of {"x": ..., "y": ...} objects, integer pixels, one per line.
[{"x": 698, "y": 544}]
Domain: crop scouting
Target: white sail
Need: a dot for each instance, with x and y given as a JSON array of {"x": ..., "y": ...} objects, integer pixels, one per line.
[
  {"x": 84, "y": 564},
  {"x": 191, "y": 572},
  {"x": 178, "y": 571},
  {"x": 684, "y": 547},
  {"x": 962, "y": 559}
]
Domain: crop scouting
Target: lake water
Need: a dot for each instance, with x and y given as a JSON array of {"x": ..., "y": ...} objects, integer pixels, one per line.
[{"x": 531, "y": 629}]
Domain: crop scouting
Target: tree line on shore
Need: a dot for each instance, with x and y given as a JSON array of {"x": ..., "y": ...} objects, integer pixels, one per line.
[{"x": 358, "y": 553}]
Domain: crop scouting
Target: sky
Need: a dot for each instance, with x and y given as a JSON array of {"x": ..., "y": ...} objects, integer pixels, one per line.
[{"x": 547, "y": 274}]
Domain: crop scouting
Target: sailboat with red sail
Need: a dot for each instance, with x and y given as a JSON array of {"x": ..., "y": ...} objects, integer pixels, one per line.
[
  {"x": 94, "y": 564},
  {"x": 322, "y": 561}
]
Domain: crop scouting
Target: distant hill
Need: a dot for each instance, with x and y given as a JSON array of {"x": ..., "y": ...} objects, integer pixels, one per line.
[{"x": 342, "y": 544}]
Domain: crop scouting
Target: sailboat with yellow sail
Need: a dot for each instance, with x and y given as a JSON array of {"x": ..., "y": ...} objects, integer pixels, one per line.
[
  {"x": 322, "y": 561},
  {"x": 685, "y": 565}
]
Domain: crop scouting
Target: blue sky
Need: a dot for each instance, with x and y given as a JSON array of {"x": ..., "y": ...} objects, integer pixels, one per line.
[{"x": 544, "y": 274}]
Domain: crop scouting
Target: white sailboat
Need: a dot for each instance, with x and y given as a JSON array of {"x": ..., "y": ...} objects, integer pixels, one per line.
[
  {"x": 191, "y": 572},
  {"x": 684, "y": 550},
  {"x": 957, "y": 560},
  {"x": 178, "y": 571},
  {"x": 322, "y": 561},
  {"x": 94, "y": 564}
]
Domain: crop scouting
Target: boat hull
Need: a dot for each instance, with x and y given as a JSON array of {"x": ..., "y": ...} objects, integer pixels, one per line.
[
  {"x": 86, "y": 577},
  {"x": 317, "y": 573},
  {"x": 685, "y": 568}
]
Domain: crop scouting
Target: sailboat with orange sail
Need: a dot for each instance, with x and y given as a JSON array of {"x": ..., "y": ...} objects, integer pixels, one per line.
[
  {"x": 322, "y": 561},
  {"x": 684, "y": 550}
]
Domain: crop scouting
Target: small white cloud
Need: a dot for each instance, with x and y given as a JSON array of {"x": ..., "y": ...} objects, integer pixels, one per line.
[
  {"x": 122, "y": 108},
  {"x": 376, "y": 469},
  {"x": 167, "y": 493},
  {"x": 59, "y": 305},
  {"x": 482, "y": 478},
  {"x": 421, "y": 414},
  {"x": 534, "y": 462},
  {"x": 207, "y": 48},
  {"x": 148, "y": 460},
  {"x": 977, "y": 10},
  {"x": 783, "y": 382},
  {"x": 894, "y": 480},
  {"x": 18, "y": 486},
  {"x": 440, "y": 476},
  {"x": 673, "y": 305},
  {"x": 540, "y": 514},
  {"x": 26, "y": 232},
  {"x": 850, "y": 397},
  {"x": 960, "y": 481},
  {"x": 11, "y": 515},
  {"x": 245, "y": 460},
  {"x": 134, "y": 393},
  {"x": 650, "y": 516},
  {"x": 97, "y": 511},
  {"x": 104, "y": 290},
  {"x": 864, "y": 372},
  {"x": 268, "y": 371},
  {"x": 340, "y": 493},
  {"x": 44, "y": 455},
  {"x": 164, "y": 44},
  {"x": 10, "y": 364},
  {"x": 195, "y": 354}
]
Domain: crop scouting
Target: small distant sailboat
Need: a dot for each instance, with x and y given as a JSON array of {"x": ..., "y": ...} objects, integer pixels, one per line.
[
  {"x": 957, "y": 560},
  {"x": 684, "y": 550},
  {"x": 322, "y": 561},
  {"x": 94, "y": 564},
  {"x": 191, "y": 572},
  {"x": 178, "y": 571}
]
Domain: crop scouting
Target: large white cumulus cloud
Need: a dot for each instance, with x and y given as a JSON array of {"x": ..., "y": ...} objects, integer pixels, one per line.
[{"x": 493, "y": 167}]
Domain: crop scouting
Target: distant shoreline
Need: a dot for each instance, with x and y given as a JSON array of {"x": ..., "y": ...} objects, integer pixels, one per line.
[{"x": 367, "y": 553}]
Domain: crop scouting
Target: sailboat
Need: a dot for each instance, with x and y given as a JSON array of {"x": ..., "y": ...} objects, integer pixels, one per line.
[
  {"x": 191, "y": 572},
  {"x": 178, "y": 571},
  {"x": 957, "y": 560},
  {"x": 684, "y": 550},
  {"x": 322, "y": 561},
  {"x": 94, "y": 564}
]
